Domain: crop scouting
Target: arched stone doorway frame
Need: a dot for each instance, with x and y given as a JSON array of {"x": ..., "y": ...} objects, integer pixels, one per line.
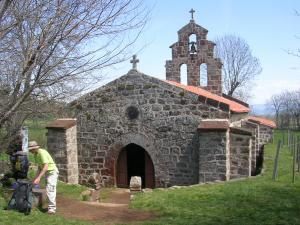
[
  {"x": 133, "y": 160},
  {"x": 139, "y": 139}
]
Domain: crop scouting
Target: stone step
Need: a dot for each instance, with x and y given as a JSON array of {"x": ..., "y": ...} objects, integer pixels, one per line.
[{"x": 39, "y": 198}]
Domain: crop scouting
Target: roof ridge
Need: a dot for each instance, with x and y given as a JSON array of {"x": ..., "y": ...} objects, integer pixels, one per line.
[
  {"x": 262, "y": 120},
  {"x": 233, "y": 105}
]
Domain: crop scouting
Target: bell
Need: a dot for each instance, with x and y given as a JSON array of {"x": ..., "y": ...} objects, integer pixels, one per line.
[{"x": 193, "y": 48}]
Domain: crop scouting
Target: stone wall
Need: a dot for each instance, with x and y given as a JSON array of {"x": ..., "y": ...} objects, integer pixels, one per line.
[
  {"x": 138, "y": 107},
  {"x": 212, "y": 155},
  {"x": 56, "y": 144},
  {"x": 72, "y": 155},
  {"x": 255, "y": 148},
  {"x": 62, "y": 145},
  {"x": 240, "y": 153},
  {"x": 266, "y": 134},
  {"x": 263, "y": 135}
]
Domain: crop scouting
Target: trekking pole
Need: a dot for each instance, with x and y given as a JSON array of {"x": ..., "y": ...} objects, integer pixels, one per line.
[
  {"x": 289, "y": 139},
  {"x": 291, "y": 145},
  {"x": 276, "y": 160},
  {"x": 298, "y": 153},
  {"x": 294, "y": 159}
]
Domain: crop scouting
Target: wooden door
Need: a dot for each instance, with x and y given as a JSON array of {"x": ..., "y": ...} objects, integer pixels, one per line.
[
  {"x": 122, "y": 179},
  {"x": 149, "y": 172}
]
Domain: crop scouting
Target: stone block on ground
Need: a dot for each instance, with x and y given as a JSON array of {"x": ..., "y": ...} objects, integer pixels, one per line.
[
  {"x": 135, "y": 184},
  {"x": 7, "y": 193},
  {"x": 39, "y": 198}
]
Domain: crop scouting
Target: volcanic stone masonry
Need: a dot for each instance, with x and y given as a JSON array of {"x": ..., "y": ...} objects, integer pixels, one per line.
[{"x": 164, "y": 132}]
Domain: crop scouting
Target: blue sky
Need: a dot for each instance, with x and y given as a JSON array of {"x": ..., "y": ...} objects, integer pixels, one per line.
[{"x": 270, "y": 27}]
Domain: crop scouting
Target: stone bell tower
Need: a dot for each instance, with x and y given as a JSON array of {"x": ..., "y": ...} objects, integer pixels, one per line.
[{"x": 194, "y": 53}]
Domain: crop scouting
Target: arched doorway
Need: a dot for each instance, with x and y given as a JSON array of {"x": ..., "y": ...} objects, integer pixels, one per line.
[{"x": 133, "y": 160}]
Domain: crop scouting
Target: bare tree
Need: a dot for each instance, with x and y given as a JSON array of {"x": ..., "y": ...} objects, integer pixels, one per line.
[
  {"x": 276, "y": 105},
  {"x": 286, "y": 107},
  {"x": 295, "y": 108},
  {"x": 49, "y": 50},
  {"x": 286, "y": 114},
  {"x": 239, "y": 65}
]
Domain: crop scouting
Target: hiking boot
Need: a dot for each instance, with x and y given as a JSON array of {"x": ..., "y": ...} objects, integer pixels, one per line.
[{"x": 51, "y": 212}]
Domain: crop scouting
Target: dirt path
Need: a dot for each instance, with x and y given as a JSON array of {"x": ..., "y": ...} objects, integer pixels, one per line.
[{"x": 114, "y": 210}]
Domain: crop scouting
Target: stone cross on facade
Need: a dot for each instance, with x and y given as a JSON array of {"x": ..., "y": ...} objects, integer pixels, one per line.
[
  {"x": 192, "y": 11},
  {"x": 134, "y": 62}
]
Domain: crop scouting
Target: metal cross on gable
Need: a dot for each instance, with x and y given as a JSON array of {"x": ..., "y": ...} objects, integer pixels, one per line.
[
  {"x": 192, "y": 11},
  {"x": 134, "y": 62}
]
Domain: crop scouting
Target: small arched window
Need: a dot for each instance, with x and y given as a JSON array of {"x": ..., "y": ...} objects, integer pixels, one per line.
[
  {"x": 193, "y": 44},
  {"x": 183, "y": 74},
  {"x": 203, "y": 75}
]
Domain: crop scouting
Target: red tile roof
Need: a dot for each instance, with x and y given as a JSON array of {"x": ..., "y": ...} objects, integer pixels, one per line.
[
  {"x": 234, "y": 106},
  {"x": 263, "y": 121}
]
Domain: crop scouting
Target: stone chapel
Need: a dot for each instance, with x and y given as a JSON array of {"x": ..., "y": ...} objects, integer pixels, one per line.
[{"x": 166, "y": 132}]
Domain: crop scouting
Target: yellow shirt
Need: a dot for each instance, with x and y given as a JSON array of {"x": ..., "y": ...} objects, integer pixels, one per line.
[{"x": 43, "y": 157}]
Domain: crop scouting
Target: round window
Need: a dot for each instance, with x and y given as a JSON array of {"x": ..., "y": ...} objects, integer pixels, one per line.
[{"x": 132, "y": 112}]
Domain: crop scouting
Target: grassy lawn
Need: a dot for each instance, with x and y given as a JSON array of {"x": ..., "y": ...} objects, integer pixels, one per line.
[
  {"x": 258, "y": 200},
  {"x": 35, "y": 218}
]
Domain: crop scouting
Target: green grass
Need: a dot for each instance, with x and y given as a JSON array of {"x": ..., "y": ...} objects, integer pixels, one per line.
[
  {"x": 4, "y": 157},
  {"x": 258, "y": 200},
  {"x": 35, "y": 218},
  {"x": 70, "y": 190}
]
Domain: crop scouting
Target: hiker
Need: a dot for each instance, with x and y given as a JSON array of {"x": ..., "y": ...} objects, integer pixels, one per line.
[
  {"x": 18, "y": 160},
  {"x": 46, "y": 167}
]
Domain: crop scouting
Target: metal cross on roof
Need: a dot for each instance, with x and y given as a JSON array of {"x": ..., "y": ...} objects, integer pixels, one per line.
[
  {"x": 192, "y": 11},
  {"x": 134, "y": 62}
]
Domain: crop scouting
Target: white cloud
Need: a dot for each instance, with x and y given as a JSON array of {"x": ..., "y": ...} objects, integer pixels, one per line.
[{"x": 264, "y": 89}]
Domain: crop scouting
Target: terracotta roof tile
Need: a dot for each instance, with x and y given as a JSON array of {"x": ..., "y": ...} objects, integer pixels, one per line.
[
  {"x": 233, "y": 106},
  {"x": 263, "y": 121}
]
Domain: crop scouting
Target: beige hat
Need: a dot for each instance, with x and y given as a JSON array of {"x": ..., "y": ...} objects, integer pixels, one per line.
[{"x": 33, "y": 145}]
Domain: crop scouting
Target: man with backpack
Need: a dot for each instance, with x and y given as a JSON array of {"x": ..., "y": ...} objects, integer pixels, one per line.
[
  {"x": 18, "y": 160},
  {"x": 47, "y": 167},
  {"x": 21, "y": 199}
]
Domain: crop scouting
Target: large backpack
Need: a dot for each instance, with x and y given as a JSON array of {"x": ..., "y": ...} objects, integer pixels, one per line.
[
  {"x": 20, "y": 164},
  {"x": 21, "y": 199}
]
